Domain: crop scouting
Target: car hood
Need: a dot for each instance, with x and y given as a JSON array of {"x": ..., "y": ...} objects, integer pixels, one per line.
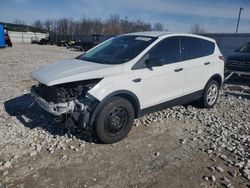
[
  {"x": 238, "y": 56},
  {"x": 73, "y": 70}
]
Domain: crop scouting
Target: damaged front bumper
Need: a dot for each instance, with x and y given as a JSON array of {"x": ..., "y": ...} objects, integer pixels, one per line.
[
  {"x": 55, "y": 109},
  {"x": 79, "y": 111}
]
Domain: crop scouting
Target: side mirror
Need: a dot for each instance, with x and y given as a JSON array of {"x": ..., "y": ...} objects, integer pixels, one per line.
[{"x": 154, "y": 62}]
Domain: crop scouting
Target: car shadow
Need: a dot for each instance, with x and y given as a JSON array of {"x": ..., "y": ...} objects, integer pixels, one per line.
[{"x": 31, "y": 115}]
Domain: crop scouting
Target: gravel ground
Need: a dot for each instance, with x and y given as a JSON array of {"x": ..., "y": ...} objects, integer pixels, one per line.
[{"x": 182, "y": 146}]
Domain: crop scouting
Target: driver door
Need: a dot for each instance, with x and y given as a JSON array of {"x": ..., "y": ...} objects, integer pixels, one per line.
[{"x": 162, "y": 81}]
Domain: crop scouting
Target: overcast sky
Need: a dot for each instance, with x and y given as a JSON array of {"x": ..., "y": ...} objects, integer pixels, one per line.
[{"x": 176, "y": 15}]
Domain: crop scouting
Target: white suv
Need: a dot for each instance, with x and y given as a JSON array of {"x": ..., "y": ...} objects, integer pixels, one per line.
[{"x": 127, "y": 76}]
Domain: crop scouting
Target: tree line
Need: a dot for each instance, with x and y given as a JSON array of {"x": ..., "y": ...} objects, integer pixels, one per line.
[{"x": 113, "y": 25}]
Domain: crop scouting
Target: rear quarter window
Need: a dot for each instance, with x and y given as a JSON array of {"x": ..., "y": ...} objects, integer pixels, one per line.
[{"x": 192, "y": 48}]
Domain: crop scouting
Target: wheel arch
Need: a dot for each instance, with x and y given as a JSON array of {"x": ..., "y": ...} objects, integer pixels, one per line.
[
  {"x": 217, "y": 78},
  {"x": 128, "y": 95}
]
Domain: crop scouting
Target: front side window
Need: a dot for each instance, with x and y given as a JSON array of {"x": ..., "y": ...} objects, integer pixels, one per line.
[
  {"x": 245, "y": 48},
  {"x": 192, "y": 48},
  {"x": 167, "y": 50},
  {"x": 118, "y": 50}
]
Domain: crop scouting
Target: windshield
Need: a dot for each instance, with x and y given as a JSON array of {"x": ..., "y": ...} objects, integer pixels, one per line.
[
  {"x": 245, "y": 48},
  {"x": 118, "y": 50}
]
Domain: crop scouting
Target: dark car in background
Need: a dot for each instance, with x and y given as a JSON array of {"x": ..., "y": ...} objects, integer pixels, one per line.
[
  {"x": 239, "y": 61},
  {"x": 88, "y": 42},
  {"x": 45, "y": 41}
]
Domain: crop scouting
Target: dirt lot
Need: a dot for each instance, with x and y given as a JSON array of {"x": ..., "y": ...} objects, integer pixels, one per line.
[{"x": 177, "y": 147}]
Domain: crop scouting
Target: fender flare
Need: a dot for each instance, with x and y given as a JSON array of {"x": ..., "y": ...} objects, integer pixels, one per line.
[{"x": 217, "y": 77}]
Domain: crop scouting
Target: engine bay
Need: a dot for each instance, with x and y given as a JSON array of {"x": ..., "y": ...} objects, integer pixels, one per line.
[{"x": 64, "y": 92}]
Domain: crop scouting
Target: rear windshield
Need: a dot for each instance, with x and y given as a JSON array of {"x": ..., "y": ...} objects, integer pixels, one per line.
[{"x": 118, "y": 50}]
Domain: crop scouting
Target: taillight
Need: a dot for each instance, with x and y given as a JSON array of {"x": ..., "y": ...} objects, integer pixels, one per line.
[{"x": 222, "y": 58}]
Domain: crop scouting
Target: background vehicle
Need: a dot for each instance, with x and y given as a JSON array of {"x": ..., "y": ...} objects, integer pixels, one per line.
[
  {"x": 44, "y": 41},
  {"x": 62, "y": 43},
  {"x": 128, "y": 76},
  {"x": 239, "y": 61},
  {"x": 88, "y": 43},
  {"x": 7, "y": 38}
]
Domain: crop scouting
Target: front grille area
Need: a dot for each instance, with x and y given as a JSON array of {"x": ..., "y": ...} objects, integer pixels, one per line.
[{"x": 238, "y": 65}]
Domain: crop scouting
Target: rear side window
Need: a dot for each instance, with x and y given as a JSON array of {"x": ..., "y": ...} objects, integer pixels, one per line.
[
  {"x": 167, "y": 50},
  {"x": 192, "y": 48}
]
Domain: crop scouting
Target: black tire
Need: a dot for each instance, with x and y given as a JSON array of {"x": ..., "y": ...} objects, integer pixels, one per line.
[
  {"x": 208, "y": 100},
  {"x": 10, "y": 44},
  {"x": 114, "y": 120}
]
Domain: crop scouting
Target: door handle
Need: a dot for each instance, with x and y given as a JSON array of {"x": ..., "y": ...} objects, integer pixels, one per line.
[
  {"x": 137, "y": 80},
  {"x": 178, "y": 70},
  {"x": 207, "y": 63}
]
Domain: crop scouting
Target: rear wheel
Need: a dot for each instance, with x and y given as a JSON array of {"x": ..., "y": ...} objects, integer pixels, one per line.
[
  {"x": 114, "y": 120},
  {"x": 210, "y": 95}
]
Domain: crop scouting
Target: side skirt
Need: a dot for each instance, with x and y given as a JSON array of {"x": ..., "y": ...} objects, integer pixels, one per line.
[{"x": 179, "y": 101}]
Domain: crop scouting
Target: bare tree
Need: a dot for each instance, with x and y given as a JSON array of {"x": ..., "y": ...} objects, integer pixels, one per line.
[
  {"x": 77, "y": 27},
  {"x": 48, "y": 24},
  {"x": 126, "y": 25},
  {"x": 197, "y": 28},
  {"x": 139, "y": 25},
  {"x": 38, "y": 24},
  {"x": 97, "y": 26},
  {"x": 54, "y": 26},
  {"x": 63, "y": 26},
  {"x": 86, "y": 26},
  {"x": 158, "y": 27},
  {"x": 71, "y": 26},
  {"x": 113, "y": 25}
]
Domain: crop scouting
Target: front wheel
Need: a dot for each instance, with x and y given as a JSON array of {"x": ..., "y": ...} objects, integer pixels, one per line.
[
  {"x": 210, "y": 94},
  {"x": 114, "y": 120}
]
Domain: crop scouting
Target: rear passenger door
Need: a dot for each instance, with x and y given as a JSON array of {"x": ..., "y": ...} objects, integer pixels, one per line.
[{"x": 197, "y": 66}]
